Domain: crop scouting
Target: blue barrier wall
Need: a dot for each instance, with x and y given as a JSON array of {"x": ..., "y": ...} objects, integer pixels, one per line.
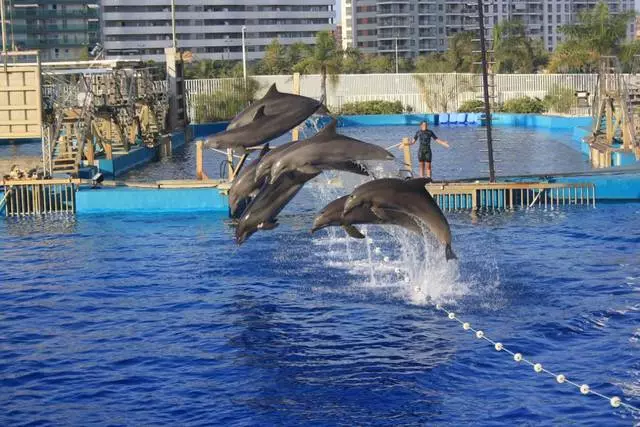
[
  {"x": 120, "y": 164},
  {"x": 206, "y": 129},
  {"x": 610, "y": 187},
  {"x": 137, "y": 156},
  {"x": 150, "y": 200}
]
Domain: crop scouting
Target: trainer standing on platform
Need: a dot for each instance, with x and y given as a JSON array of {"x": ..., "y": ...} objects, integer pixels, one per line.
[{"x": 424, "y": 135}]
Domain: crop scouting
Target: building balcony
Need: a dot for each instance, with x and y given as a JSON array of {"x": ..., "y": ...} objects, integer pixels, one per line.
[
  {"x": 38, "y": 13},
  {"x": 40, "y": 29}
]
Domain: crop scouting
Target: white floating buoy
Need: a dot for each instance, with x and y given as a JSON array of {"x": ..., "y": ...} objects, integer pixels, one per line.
[
  {"x": 561, "y": 378},
  {"x": 466, "y": 326},
  {"x": 517, "y": 357},
  {"x": 499, "y": 346},
  {"x": 584, "y": 389},
  {"x": 452, "y": 316},
  {"x": 386, "y": 259},
  {"x": 377, "y": 251},
  {"x": 406, "y": 279},
  {"x": 615, "y": 401},
  {"x": 537, "y": 367},
  {"x": 397, "y": 270},
  {"x": 370, "y": 240},
  {"x": 438, "y": 306},
  {"x": 479, "y": 335}
]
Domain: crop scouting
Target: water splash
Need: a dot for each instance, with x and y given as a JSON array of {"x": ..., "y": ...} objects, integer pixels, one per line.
[{"x": 391, "y": 260}]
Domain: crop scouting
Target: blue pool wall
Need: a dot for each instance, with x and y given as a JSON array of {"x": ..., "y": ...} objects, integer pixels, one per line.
[
  {"x": 141, "y": 155},
  {"x": 142, "y": 200}
]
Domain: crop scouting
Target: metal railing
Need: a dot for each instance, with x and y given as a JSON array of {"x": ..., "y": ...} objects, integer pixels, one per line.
[{"x": 36, "y": 197}]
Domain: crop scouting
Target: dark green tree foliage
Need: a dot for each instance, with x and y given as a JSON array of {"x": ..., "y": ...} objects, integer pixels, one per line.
[{"x": 596, "y": 33}]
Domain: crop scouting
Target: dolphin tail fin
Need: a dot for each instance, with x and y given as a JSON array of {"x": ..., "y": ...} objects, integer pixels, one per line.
[
  {"x": 448, "y": 253},
  {"x": 353, "y": 232}
]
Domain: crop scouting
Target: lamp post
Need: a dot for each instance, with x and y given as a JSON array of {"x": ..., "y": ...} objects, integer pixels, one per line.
[
  {"x": 396, "y": 54},
  {"x": 173, "y": 24},
  {"x": 244, "y": 55}
]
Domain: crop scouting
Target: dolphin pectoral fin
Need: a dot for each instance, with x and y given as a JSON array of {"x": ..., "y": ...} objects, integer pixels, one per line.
[
  {"x": 353, "y": 232},
  {"x": 309, "y": 170},
  {"x": 448, "y": 253},
  {"x": 379, "y": 212},
  {"x": 269, "y": 225}
]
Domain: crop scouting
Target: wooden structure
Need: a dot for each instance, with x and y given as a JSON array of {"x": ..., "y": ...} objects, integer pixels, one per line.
[
  {"x": 613, "y": 116},
  {"x": 21, "y": 98},
  {"x": 510, "y": 195}
]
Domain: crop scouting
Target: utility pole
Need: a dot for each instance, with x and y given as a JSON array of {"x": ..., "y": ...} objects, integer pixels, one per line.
[{"x": 485, "y": 87}]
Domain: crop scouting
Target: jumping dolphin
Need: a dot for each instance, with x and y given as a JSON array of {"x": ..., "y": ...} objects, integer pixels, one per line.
[
  {"x": 407, "y": 196},
  {"x": 262, "y": 212},
  {"x": 245, "y": 184},
  {"x": 327, "y": 150},
  {"x": 275, "y": 103},
  {"x": 263, "y": 127},
  {"x": 332, "y": 216}
]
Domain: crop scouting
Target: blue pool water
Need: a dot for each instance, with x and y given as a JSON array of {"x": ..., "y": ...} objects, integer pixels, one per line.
[
  {"x": 162, "y": 320},
  {"x": 543, "y": 150}
]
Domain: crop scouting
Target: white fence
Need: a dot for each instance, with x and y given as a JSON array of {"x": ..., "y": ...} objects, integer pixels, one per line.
[{"x": 419, "y": 92}]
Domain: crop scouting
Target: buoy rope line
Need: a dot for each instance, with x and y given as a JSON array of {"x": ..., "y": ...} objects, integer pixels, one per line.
[{"x": 614, "y": 401}]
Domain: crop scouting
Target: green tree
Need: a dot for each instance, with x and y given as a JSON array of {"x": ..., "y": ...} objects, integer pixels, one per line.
[
  {"x": 354, "y": 62},
  {"x": 326, "y": 58},
  {"x": 275, "y": 59},
  {"x": 514, "y": 50},
  {"x": 596, "y": 33},
  {"x": 295, "y": 53},
  {"x": 379, "y": 64},
  {"x": 460, "y": 53},
  {"x": 433, "y": 63}
]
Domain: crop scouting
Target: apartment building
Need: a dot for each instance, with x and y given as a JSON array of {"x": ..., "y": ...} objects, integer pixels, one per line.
[
  {"x": 424, "y": 26},
  {"x": 211, "y": 29},
  {"x": 60, "y": 29}
]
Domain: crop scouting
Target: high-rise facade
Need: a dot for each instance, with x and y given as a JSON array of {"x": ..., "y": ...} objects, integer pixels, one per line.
[
  {"x": 424, "y": 26},
  {"x": 60, "y": 29},
  {"x": 211, "y": 29}
]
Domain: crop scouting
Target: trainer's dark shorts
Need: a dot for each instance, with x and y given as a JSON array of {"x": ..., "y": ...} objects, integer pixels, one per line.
[{"x": 424, "y": 155}]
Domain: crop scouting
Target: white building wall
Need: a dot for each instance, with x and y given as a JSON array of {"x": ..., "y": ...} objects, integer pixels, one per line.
[
  {"x": 424, "y": 26},
  {"x": 211, "y": 29}
]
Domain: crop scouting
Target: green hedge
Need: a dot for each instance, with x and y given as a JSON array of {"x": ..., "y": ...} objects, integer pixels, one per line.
[
  {"x": 473, "y": 106},
  {"x": 524, "y": 105},
  {"x": 372, "y": 107}
]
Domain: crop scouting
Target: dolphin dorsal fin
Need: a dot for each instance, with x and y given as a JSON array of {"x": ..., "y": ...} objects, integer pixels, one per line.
[
  {"x": 329, "y": 130},
  {"x": 259, "y": 113},
  {"x": 273, "y": 90},
  {"x": 418, "y": 182}
]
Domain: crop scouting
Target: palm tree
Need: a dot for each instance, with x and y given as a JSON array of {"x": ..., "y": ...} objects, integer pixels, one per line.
[
  {"x": 597, "y": 33},
  {"x": 513, "y": 49},
  {"x": 326, "y": 58}
]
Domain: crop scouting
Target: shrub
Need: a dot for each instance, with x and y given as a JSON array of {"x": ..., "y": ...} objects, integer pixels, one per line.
[
  {"x": 223, "y": 104},
  {"x": 473, "y": 106},
  {"x": 524, "y": 105},
  {"x": 560, "y": 100},
  {"x": 372, "y": 107}
]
